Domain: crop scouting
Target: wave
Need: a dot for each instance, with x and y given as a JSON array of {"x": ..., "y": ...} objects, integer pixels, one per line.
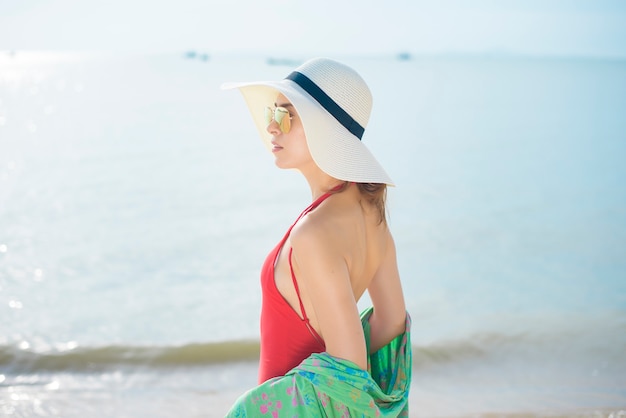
[
  {"x": 17, "y": 361},
  {"x": 477, "y": 348}
]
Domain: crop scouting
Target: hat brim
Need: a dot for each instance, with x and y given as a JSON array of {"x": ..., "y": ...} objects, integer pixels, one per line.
[{"x": 334, "y": 149}]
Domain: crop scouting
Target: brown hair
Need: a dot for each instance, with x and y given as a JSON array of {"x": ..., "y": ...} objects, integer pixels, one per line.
[{"x": 374, "y": 193}]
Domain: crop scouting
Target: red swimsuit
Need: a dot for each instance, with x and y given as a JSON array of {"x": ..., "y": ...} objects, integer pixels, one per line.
[{"x": 286, "y": 339}]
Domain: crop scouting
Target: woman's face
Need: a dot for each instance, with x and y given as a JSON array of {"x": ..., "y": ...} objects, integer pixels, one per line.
[{"x": 290, "y": 149}]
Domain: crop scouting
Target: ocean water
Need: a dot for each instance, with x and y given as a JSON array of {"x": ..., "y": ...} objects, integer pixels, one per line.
[{"x": 137, "y": 205}]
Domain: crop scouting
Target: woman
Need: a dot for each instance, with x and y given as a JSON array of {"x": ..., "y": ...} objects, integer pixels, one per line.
[{"x": 318, "y": 355}]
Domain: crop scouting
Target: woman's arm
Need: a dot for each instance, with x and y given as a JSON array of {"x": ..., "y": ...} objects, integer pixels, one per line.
[
  {"x": 323, "y": 272},
  {"x": 385, "y": 290}
]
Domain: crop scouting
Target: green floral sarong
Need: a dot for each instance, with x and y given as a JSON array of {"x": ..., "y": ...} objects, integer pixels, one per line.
[{"x": 326, "y": 386}]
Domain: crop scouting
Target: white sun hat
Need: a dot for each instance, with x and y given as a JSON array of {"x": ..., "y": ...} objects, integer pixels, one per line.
[{"x": 334, "y": 105}]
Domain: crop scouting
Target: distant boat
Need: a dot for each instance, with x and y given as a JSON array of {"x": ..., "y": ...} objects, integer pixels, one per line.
[
  {"x": 283, "y": 61},
  {"x": 196, "y": 55},
  {"x": 403, "y": 56}
]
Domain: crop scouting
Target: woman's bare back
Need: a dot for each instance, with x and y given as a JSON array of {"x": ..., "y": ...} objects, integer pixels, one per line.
[{"x": 352, "y": 252}]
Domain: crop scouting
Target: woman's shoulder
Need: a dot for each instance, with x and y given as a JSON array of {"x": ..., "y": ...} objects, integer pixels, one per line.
[
  {"x": 316, "y": 226},
  {"x": 334, "y": 218},
  {"x": 342, "y": 227}
]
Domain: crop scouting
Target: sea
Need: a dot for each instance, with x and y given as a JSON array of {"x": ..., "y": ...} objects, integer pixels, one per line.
[{"x": 137, "y": 204}]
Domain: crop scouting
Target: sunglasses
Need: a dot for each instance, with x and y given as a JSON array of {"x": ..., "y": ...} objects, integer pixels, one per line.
[{"x": 281, "y": 116}]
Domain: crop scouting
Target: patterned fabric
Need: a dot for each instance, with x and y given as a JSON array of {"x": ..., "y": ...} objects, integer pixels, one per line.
[{"x": 326, "y": 386}]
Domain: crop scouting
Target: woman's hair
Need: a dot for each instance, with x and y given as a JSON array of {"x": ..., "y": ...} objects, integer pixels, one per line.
[{"x": 375, "y": 194}]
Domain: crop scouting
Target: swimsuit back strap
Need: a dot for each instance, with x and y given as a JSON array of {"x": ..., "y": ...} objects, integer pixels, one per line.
[
  {"x": 309, "y": 208},
  {"x": 295, "y": 285},
  {"x": 305, "y": 318}
]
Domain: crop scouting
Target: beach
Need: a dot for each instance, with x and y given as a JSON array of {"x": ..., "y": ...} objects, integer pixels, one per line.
[
  {"x": 186, "y": 393},
  {"x": 137, "y": 204}
]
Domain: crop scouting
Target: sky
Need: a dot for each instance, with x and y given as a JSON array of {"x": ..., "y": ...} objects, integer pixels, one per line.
[{"x": 536, "y": 27}]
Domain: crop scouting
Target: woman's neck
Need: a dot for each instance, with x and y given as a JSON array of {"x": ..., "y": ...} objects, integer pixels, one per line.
[{"x": 320, "y": 182}]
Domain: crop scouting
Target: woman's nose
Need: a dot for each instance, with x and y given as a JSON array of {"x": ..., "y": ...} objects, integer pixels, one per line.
[{"x": 273, "y": 127}]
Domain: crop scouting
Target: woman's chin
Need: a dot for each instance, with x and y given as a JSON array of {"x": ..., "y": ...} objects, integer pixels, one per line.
[{"x": 282, "y": 164}]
